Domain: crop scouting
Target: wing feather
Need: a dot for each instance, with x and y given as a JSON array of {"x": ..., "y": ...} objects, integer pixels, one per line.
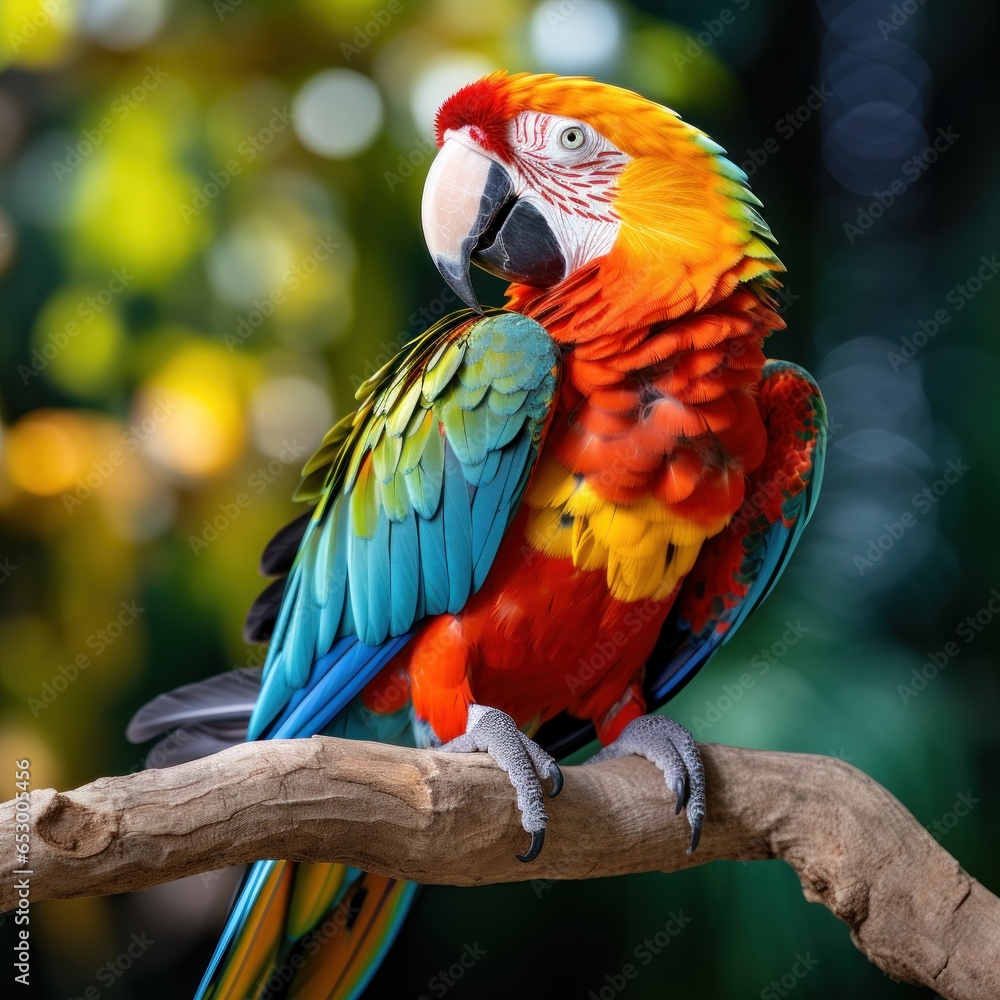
[{"x": 418, "y": 489}]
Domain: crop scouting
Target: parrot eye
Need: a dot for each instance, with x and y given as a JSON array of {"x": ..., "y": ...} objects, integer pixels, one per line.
[{"x": 572, "y": 137}]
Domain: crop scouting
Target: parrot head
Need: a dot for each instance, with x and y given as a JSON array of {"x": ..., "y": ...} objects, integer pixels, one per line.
[{"x": 540, "y": 177}]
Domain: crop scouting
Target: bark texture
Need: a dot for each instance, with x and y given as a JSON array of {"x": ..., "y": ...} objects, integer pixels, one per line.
[{"x": 451, "y": 819}]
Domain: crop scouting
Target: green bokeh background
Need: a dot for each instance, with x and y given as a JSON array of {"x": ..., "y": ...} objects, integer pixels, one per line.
[{"x": 175, "y": 398}]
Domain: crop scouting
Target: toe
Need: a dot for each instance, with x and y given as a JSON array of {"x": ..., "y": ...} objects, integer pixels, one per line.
[
  {"x": 526, "y": 764},
  {"x": 669, "y": 746}
]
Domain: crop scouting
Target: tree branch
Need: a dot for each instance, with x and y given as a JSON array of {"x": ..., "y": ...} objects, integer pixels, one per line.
[{"x": 450, "y": 819}]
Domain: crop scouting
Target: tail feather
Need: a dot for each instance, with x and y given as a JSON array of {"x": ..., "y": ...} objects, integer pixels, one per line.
[
  {"x": 315, "y": 887},
  {"x": 343, "y": 967},
  {"x": 323, "y": 928},
  {"x": 253, "y": 936}
]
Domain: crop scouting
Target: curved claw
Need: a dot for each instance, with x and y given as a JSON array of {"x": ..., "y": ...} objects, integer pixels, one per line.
[
  {"x": 695, "y": 834},
  {"x": 537, "y": 842},
  {"x": 557, "y": 781}
]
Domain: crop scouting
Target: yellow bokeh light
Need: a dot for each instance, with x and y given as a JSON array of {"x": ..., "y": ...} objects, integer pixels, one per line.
[
  {"x": 191, "y": 412},
  {"x": 44, "y": 451},
  {"x": 79, "y": 336},
  {"x": 36, "y": 33},
  {"x": 339, "y": 14},
  {"x": 22, "y": 740},
  {"x": 134, "y": 207}
]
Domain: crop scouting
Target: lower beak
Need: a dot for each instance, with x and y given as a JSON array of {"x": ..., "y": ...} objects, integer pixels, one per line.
[{"x": 471, "y": 214}]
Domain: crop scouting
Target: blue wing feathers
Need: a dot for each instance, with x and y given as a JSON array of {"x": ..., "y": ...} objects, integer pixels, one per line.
[
  {"x": 434, "y": 564},
  {"x": 493, "y": 508},
  {"x": 457, "y": 533},
  {"x": 379, "y": 593},
  {"x": 404, "y": 569},
  {"x": 333, "y": 683}
]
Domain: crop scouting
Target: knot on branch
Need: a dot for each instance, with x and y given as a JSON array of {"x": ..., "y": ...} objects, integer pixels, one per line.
[
  {"x": 847, "y": 900},
  {"x": 850, "y": 904},
  {"x": 69, "y": 826}
]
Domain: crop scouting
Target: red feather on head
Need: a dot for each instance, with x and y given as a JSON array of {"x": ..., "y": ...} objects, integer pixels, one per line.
[{"x": 486, "y": 106}]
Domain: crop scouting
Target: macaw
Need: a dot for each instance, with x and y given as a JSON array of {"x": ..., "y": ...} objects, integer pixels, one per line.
[{"x": 542, "y": 519}]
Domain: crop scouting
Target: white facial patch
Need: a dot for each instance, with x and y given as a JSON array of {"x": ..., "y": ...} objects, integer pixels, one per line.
[{"x": 569, "y": 172}]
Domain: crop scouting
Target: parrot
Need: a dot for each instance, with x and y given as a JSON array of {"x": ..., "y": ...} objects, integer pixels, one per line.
[{"x": 543, "y": 518}]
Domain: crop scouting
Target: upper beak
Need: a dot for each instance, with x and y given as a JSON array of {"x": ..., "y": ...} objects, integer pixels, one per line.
[
  {"x": 464, "y": 192},
  {"x": 470, "y": 213}
]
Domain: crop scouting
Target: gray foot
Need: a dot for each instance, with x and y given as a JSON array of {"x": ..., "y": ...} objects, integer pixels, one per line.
[
  {"x": 493, "y": 731},
  {"x": 672, "y": 749}
]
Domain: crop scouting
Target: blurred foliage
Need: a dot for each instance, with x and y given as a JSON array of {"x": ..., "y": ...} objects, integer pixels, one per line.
[{"x": 209, "y": 235}]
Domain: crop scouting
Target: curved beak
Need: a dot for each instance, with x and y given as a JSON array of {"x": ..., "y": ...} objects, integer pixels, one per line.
[{"x": 471, "y": 214}]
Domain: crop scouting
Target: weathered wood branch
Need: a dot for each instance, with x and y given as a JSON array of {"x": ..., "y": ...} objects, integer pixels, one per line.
[{"x": 441, "y": 818}]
